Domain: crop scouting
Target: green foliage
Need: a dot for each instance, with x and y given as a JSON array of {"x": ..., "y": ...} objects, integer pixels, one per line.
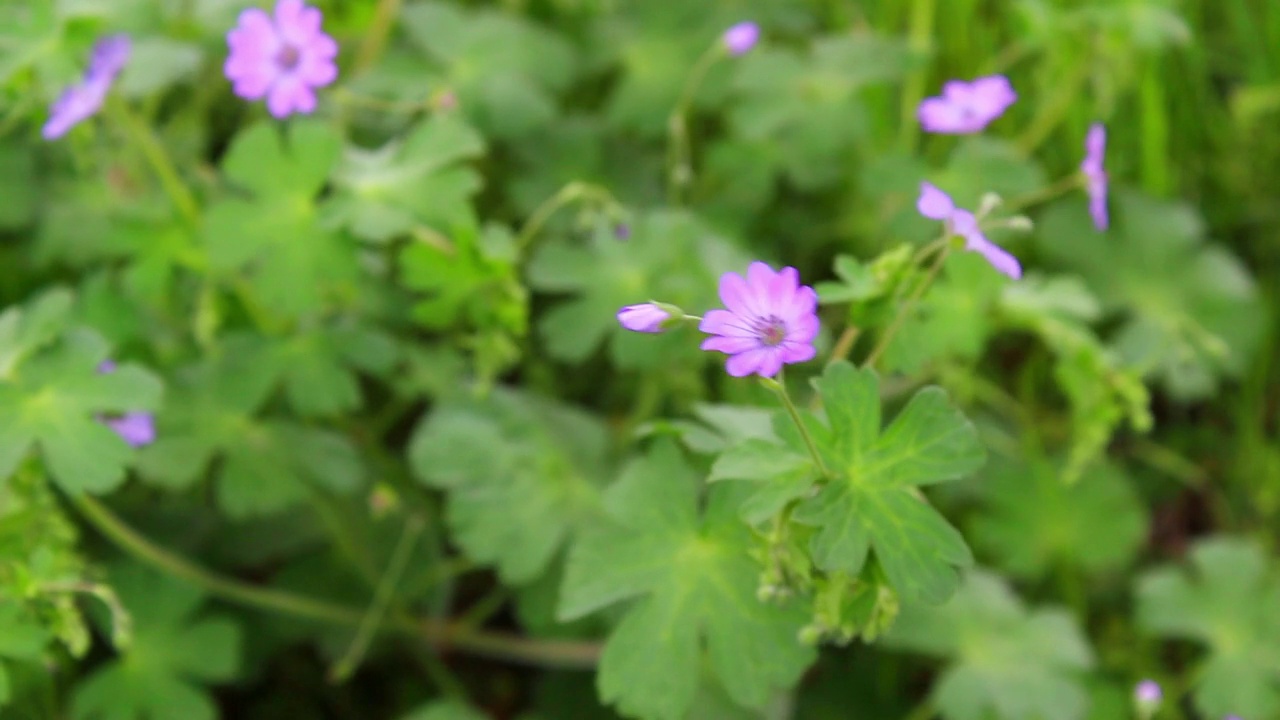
[
  {"x": 1226, "y": 601},
  {"x": 53, "y": 393},
  {"x": 172, "y": 656},
  {"x": 522, "y": 474},
  {"x": 696, "y": 587},
  {"x": 1034, "y": 521},
  {"x": 1005, "y": 662}
]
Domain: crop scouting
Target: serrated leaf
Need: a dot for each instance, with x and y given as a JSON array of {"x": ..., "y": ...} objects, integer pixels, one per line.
[
  {"x": 1005, "y": 663},
  {"x": 275, "y": 238},
  {"x": 172, "y": 655},
  {"x": 695, "y": 586},
  {"x": 521, "y": 473},
  {"x": 418, "y": 181},
  {"x": 55, "y": 399},
  {"x": 871, "y": 501},
  {"x": 1226, "y": 600}
]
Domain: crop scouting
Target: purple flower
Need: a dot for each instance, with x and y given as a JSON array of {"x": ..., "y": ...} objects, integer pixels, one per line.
[
  {"x": 741, "y": 37},
  {"x": 937, "y": 205},
  {"x": 282, "y": 58},
  {"x": 1095, "y": 147},
  {"x": 81, "y": 101},
  {"x": 1148, "y": 692},
  {"x": 135, "y": 428},
  {"x": 646, "y": 318},
  {"x": 771, "y": 319},
  {"x": 966, "y": 107}
]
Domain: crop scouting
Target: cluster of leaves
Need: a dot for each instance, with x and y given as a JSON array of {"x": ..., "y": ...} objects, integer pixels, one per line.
[{"x": 389, "y": 388}]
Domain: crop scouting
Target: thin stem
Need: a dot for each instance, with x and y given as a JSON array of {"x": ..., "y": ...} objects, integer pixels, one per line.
[
  {"x": 566, "y": 195},
  {"x": 679, "y": 143},
  {"x": 121, "y": 620},
  {"x": 502, "y": 646},
  {"x": 883, "y": 343},
  {"x": 844, "y": 344},
  {"x": 781, "y": 390},
  {"x": 1061, "y": 186},
  {"x": 376, "y": 36},
  {"x": 1053, "y": 112},
  {"x": 382, "y": 596},
  {"x": 160, "y": 163},
  {"x": 920, "y": 35}
]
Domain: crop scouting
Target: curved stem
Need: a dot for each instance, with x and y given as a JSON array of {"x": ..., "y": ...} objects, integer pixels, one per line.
[
  {"x": 844, "y": 344},
  {"x": 445, "y": 635},
  {"x": 1061, "y": 186},
  {"x": 920, "y": 35},
  {"x": 781, "y": 390},
  {"x": 160, "y": 162},
  {"x": 382, "y": 596},
  {"x": 679, "y": 144},
  {"x": 570, "y": 193},
  {"x": 376, "y": 36},
  {"x": 883, "y": 343}
]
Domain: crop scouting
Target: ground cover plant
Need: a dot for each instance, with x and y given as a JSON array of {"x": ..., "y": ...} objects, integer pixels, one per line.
[{"x": 442, "y": 360}]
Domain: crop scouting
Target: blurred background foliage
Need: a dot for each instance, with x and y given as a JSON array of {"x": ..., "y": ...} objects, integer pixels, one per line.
[{"x": 487, "y": 183}]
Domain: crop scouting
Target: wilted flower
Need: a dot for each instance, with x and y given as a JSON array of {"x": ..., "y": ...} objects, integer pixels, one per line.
[
  {"x": 937, "y": 205},
  {"x": 966, "y": 107},
  {"x": 82, "y": 100},
  {"x": 1095, "y": 146},
  {"x": 770, "y": 320},
  {"x": 135, "y": 428},
  {"x": 282, "y": 58},
  {"x": 646, "y": 318},
  {"x": 741, "y": 37}
]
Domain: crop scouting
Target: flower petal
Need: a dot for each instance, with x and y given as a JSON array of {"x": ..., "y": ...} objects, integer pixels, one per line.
[
  {"x": 723, "y": 322},
  {"x": 934, "y": 203}
]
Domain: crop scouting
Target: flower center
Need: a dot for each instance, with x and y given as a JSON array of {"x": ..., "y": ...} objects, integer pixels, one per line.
[
  {"x": 288, "y": 57},
  {"x": 771, "y": 330}
]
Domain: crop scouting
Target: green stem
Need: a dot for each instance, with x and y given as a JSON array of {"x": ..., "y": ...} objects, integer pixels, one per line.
[
  {"x": 501, "y": 646},
  {"x": 121, "y": 620},
  {"x": 923, "y": 711},
  {"x": 1061, "y": 186},
  {"x": 1052, "y": 112},
  {"x": 920, "y": 34},
  {"x": 679, "y": 143},
  {"x": 159, "y": 161},
  {"x": 883, "y": 343},
  {"x": 382, "y": 596},
  {"x": 780, "y": 388},
  {"x": 376, "y": 36},
  {"x": 567, "y": 195}
]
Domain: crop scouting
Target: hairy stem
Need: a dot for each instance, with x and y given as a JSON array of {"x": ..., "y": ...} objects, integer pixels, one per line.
[
  {"x": 883, "y": 343},
  {"x": 780, "y": 389},
  {"x": 679, "y": 142}
]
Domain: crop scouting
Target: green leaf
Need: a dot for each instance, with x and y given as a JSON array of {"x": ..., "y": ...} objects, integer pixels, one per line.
[
  {"x": 420, "y": 180},
  {"x": 156, "y": 63},
  {"x": 17, "y": 168},
  {"x": 1005, "y": 663},
  {"x": 21, "y": 638},
  {"x": 1033, "y": 520},
  {"x": 54, "y": 398},
  {"x": 872, "y": 502},
  {"x": 521, "y": 473},
  {"x": 672, "y": 256},
  {"x": 292, "y": 262},
  {"x": 695, "y": 589},
  {"x": 267, "y": 465},
  {"x": 173, "y": 654},
  {"x": 1187, "y": 334},
  {"x": 1226, "y": 600}
]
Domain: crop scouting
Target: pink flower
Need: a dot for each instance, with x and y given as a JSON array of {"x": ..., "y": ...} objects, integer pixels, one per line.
[
  {"x": 966, "y": 107},
  {"x": 282, "y": 58},
  {"x": 740, "y": 38},
  {"x": 83, "y": 100},
  {"x": 646, "y": 318},
  {"x": 937, "y": 205},
  {"x": 770, "y": 320},
  {"x": 1095, "y": 147}
]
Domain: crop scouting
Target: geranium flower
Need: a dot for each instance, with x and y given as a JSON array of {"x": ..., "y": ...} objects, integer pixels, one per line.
[
  {"x": 282, "y": 57},
  {"x": 966, "y": 107},
  {"x": 937, "y": 205},
  {"x": 770, "y": 320},
  {"x": 83, "y": 100}
]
